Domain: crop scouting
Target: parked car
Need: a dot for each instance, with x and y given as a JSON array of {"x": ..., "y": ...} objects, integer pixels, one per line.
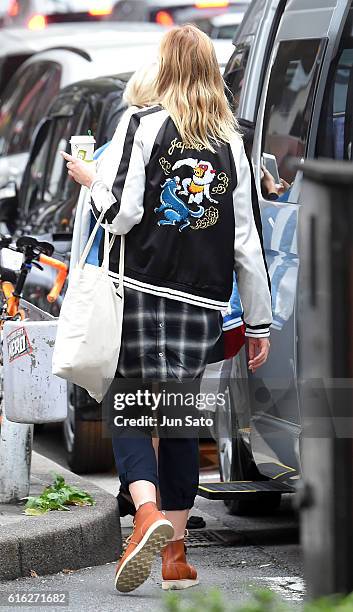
[
  {"x": 222, "y": 27},
  {"x": 87, "y": 39},
  {"x": 169, "y": 12},
  {"x": 291, "y": 78},
  {"x": 37, "y": 14},
  {"x": 44, "y": 206},
  {"x": 29, "y": 93},
  {"x": 34, "y": 85}
]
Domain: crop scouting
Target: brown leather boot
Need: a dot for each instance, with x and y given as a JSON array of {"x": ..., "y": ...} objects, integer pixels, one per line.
[
  {"x": 151, "y": 532},
  {"x": 176, "y": 572}
]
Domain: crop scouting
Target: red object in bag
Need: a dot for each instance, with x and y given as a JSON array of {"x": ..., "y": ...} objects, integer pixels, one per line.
[{"x": 234, "y": 340}]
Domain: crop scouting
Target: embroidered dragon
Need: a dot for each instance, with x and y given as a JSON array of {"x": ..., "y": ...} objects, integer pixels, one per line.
[{"x": 174, "y": 209}]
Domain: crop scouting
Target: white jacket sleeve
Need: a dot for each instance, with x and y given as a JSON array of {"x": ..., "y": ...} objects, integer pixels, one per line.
[
  {"x": 120, "y": 184},
  {"x": 249, "y": 261}
]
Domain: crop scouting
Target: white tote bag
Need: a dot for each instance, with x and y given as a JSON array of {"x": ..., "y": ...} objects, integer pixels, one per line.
[{"x": 88, "y": 339}]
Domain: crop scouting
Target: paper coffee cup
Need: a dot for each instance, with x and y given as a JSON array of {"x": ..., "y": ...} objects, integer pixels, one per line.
[{"x": 82, "y": 147}]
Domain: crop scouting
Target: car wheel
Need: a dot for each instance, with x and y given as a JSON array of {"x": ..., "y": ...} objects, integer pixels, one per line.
[
  {"x": 237, "y": 463},
  {"x": 87, "y": 449}
]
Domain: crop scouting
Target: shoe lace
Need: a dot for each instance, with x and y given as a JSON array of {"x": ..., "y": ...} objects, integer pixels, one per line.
[{"x": 186, "y": 535}]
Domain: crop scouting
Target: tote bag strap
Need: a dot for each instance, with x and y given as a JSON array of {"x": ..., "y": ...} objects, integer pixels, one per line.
[
  {"x": 122, "y": 261},
  {"x": 107, "y": 248},
  {"x": 90, "y": 241},
  {"x": 121, "y": 257}
]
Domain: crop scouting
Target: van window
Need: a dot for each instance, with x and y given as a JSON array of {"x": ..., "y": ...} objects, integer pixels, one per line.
[
  {"x": 236, "y": 67},
  {"x": 289, "y": 106},
  {"x": 236, "y": 73},
  {"x": 24, "y": 103},
  {"x": 335, "y": 135}
]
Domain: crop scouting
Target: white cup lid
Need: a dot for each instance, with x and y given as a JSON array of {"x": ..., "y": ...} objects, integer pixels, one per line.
[{"x": 82, "y": 139}]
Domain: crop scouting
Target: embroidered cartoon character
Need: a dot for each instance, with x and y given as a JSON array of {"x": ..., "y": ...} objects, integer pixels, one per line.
[
  {"x": 198, "y": 186},
  {"x": 173, "y": 208}
]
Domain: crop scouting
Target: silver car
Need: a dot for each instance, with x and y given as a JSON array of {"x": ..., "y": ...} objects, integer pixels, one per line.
[
  {"x": 76, "y": 53},
  {"x": 290, "y": 76},
  {"x": 37, "y": 14}
]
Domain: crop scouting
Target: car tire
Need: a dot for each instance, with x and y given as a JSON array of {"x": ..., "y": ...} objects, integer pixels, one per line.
[
  {"x": 87, "y": 450},
  {"x": 236, "y": 463}
]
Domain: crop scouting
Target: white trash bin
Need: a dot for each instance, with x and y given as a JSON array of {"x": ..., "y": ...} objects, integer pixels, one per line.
[{"x": 32, "y": 394}]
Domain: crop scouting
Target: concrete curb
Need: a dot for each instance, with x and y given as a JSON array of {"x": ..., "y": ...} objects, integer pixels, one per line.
[{"x": 56, "y": 541}]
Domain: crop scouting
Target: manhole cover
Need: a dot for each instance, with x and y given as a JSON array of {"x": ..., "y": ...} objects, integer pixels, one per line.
[
  {"x": 212, "y": 537},
  {"x": 204, "y": 537}
]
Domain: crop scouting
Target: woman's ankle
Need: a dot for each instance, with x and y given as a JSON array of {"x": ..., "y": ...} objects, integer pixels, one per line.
[
  {"x": 142, "y": 492},
  {"x": 178, "y": 518}
]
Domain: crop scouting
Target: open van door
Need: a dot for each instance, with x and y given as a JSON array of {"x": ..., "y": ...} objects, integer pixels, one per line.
[
  {"x": 289, "y": 114},
  {"x": 331, "y": 136},
  {"x": 252, "y": 47}
]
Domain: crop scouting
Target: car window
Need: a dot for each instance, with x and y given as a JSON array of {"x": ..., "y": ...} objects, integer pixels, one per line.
[
  {"x": 224, "y": 32},
  {"x": 288, "y": 109},
  {"x": 335, "y": 135},
  {"x": 9, "y": 103},
  {"x": 25, "y": 103},
  {"x": 243, "y": 41},
  {"x": 236, "y": 72},
  {"x": 251, "y": 20},
  {"x": 47, "y": 169},
  {"x": 50, "y": 193},
  {"x": 9, "y": 64}
]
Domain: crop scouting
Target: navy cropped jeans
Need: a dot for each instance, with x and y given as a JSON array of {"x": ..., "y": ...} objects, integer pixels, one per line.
[
  {"x": 177, "y": 474},
  {"x": 163, "y": 340}
]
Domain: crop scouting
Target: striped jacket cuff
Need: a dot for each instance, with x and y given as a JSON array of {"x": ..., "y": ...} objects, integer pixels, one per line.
[
  {"x": 257, "y": 331},
  {"x": 104, "y": 199}
]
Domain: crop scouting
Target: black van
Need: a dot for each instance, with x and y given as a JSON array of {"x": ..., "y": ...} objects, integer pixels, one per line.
[{"x": 45, "y": 207}]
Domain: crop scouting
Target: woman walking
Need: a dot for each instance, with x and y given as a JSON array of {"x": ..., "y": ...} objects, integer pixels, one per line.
[{"x": 182, "y": 195}]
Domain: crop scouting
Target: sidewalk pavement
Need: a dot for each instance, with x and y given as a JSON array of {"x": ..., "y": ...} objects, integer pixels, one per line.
[
  {"x": 265, "y": 554},
  {"x": 84, "y": 537}
]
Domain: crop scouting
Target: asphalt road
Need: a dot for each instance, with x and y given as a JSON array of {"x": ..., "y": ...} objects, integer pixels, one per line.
[{"x": 238, "y": 555}]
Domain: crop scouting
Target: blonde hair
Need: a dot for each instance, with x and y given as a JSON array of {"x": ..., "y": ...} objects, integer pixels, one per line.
[
  {"x": 190, "y": 87},
  {"x": 141, "y": 87}
]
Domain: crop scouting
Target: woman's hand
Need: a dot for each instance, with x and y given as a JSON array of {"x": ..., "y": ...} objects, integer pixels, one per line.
[
  {"x": 258, "y": 352},
  {"x": 268, "y": 183},
  {"x": 82, "y": 172}
]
